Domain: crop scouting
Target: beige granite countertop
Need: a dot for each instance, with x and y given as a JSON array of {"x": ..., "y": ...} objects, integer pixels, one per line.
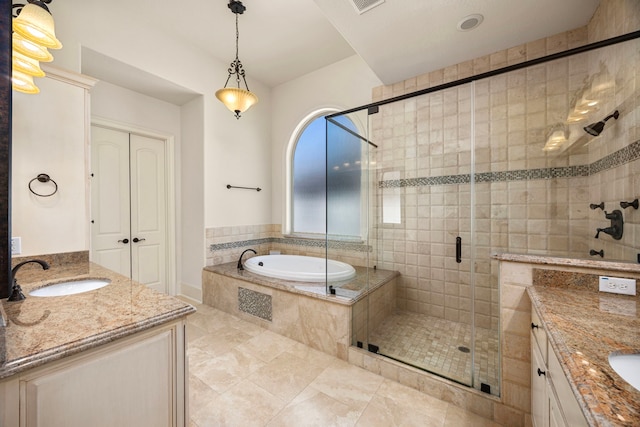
[
  {"x": 40, "y": 330},
  {"x": 569, "y": 262},
  {"x": 584, "y": 326}
]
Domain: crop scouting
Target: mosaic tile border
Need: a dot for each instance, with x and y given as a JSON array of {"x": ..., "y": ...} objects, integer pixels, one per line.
[
  {"x": 333, "y": 244},
  {"x": 255, "y": 303},
  {"x": 625, "y": 155}
]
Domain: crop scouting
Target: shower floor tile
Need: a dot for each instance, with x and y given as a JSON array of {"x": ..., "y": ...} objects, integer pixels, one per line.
[{"x": 440, "y": 346}]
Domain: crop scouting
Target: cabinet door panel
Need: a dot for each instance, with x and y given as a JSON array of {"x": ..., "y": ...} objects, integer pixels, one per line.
[
  {"x": 539, "y": 399},
  {"x": 570, "y": 408},
  {"x": 131, "y": 386}
]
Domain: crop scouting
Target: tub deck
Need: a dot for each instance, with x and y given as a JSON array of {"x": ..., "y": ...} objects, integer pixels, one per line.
[
  {"x": 302, "y": 310},
  {"x": 348, "y": 292}
]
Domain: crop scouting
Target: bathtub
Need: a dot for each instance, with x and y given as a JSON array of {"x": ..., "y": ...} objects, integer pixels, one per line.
[{"x": 299, "y": 268}]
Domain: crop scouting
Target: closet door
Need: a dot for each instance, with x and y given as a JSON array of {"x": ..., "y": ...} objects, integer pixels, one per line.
[
  {"x": 148, "y": 212},
  {"x": 128, "y": 205},
  {"x": 110, "y": 205}
]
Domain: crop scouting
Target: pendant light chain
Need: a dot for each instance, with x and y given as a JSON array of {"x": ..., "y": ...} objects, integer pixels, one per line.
[{"x": 238, "y": 65}]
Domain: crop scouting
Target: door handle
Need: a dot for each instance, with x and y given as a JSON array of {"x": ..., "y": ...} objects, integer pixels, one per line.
[
  {"x": 458, "y": 249},
  {"x": 125, "y": 241},
  {"x": 136, "y": 240}
]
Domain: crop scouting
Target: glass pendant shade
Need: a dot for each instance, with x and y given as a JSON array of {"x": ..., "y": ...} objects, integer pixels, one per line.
[
  {"x": 30, "y": 49},
  {"x": 35, "y": 23},
  {"x": 26, "y": 65},
  {"x": 23, "y": 83},
  {"x": 236, "y": 99}
]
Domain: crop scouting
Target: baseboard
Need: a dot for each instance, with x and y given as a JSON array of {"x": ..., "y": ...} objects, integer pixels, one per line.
[{"x": 191, "y": 292}]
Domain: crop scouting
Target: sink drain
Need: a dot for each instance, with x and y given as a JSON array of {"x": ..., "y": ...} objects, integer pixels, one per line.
[{"x": 464, "y": 349}]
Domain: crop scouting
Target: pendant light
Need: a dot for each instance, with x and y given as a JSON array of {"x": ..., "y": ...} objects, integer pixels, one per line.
[{"x": 236, "y": 99}]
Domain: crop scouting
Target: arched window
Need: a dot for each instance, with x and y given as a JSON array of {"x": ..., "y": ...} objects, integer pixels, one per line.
[{"x": 310, "y": 204}]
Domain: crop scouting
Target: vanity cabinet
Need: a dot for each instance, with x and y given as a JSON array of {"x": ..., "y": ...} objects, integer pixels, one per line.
[
  {"x": 552, "y": 401},
  {"x": 136, "y": 381}
]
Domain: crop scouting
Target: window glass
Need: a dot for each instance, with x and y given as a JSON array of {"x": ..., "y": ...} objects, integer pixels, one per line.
[{"x": 310, "y": 178}]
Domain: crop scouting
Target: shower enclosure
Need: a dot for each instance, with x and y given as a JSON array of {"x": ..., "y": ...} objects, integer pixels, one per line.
[{"x": 436, "y": 181}]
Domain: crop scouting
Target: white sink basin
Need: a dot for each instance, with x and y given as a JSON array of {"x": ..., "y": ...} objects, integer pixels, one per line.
[
  {"x": 627, "y": 366},
  {"x": 70, "y": 288}
]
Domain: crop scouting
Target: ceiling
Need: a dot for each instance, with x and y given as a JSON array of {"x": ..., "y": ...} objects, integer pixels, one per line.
[{"x": 281, "y": 40}]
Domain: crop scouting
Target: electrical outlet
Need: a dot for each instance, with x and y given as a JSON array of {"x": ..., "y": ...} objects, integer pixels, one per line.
[
  {"x": 617, "y": 285},
  {"x": 16, "y": 246}
]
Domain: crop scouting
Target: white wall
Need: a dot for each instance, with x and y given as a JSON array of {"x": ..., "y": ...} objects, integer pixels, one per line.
[
  {"x": 343, "y": 85},
  {"x": 48, "y": 136},
  {"x": 191, "y": 256},
  {"x": 231, "y": 151},
  {"x": 125, "y": 106}
]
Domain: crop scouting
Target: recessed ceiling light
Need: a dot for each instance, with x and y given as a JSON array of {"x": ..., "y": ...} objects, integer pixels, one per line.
[{"x": 470, "y": 22}]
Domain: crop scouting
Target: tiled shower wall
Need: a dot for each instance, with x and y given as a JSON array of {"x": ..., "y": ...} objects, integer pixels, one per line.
[{"x": 527, "y": 200}]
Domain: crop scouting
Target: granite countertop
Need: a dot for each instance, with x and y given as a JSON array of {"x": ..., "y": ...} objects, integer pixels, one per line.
[
  {"x": 40, "y": 330},
  {"x": 584, "y": 326}
]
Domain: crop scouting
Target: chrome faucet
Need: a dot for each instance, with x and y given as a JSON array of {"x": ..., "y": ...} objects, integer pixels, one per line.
[
  {"x": 240, "y": 267},
  {"x": 16, "y": 290}
]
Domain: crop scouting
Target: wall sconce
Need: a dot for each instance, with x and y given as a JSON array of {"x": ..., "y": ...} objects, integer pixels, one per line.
[
  {"x": 596, "y": 128},
  {"x": 34, "y": 22},
  {"x": 236, "y": 99},
  {"x": 33, "y": 34}
]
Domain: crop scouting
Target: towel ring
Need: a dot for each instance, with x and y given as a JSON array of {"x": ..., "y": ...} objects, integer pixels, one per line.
[{"x": 43, "y": 177}]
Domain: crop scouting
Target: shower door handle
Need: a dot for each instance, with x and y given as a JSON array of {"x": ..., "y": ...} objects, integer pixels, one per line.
[{"x": 458, "y": 249}]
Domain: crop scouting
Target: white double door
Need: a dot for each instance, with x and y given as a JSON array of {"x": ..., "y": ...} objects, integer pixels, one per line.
[{"x": 128, "y": 205}]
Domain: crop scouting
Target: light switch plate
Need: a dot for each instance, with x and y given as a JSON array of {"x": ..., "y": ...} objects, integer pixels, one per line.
[{"x": 617, "y": 285}]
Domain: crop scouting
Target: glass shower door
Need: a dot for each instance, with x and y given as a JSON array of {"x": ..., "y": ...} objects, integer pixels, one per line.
[{"x": 423, "y": 207}]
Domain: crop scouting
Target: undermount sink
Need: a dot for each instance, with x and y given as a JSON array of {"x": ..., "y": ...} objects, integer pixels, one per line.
[
  {"x": 627, "y": 366},
  {"x": 70, "y": 288}
]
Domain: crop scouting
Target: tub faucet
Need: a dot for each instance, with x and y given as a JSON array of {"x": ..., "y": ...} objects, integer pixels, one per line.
[
  {"x": 240, "y": 267},
  {"x": 16, "y": 291}
]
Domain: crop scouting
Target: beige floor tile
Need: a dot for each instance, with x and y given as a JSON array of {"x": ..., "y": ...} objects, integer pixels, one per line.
[
  {"x": 285, "y": 376},
  {"x": 200, "y": 395},
  {"x": 244, "y": 375},
  {"x": 398, "y": 405},
  {"x": 313, "y": 408},
  {"x": 222, "y": 372},
  {"x": 311, "y": 355},
  {"x": 220, "y": 342},
  {"x": 348, "y": 384},
  {"x": 458, "y": 417},
  {"x": 267, "y": 346},
  {"x": 244, "y": 405},
  {"x": 194, "y": 332}
]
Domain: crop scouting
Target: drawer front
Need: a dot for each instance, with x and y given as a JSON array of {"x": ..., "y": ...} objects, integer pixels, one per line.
[{"x": 538, "y": 332}]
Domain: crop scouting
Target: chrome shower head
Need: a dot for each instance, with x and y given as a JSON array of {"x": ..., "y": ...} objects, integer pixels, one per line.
[{"x": 596, "y": 128}]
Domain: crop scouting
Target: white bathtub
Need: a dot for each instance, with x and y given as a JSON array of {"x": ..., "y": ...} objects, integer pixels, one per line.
[{"x": 299, "y": 268}]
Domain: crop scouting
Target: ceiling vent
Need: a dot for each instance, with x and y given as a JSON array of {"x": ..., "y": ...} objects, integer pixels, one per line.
[{"x": 363, "y": 6}]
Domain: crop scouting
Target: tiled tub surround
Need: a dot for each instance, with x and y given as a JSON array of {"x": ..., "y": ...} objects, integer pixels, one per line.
[
  {"x": 516, "y": 275},
  {"x": 41, "y": 330},
  {"x": 583, "y": 327},
  {"x": 224, "y": 244},
  {"x": 301, "y": 310}
]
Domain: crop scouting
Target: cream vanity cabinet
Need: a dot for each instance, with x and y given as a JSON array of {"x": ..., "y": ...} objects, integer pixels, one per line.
[
  {"x": 137, "y": 381},
  {"x": 552, "y": 401}
]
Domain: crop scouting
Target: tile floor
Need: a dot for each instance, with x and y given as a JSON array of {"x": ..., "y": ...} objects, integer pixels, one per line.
[
  {"x": 432, "y": 344},
  {"x": 244, "y": 375}
]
